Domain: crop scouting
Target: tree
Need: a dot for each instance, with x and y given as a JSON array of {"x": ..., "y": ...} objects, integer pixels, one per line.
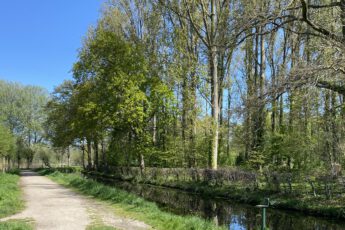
[
  {"x": 7, "y": 146},
  {"x": 22, "y": 112}
]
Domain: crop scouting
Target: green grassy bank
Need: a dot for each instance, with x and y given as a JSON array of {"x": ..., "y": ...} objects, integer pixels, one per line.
[
  {"x": 10, "y": 195},
  {"x": 11, "y": 202},
  {"x": 16, "y": 225},
  {"x": 130, "y": 205}
]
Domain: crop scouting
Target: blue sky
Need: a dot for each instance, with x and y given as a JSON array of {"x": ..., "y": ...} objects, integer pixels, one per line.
[{"x": 39, "y": 39}]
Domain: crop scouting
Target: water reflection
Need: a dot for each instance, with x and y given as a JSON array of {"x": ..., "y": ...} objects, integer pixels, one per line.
[{"x": 235, "y": 216}]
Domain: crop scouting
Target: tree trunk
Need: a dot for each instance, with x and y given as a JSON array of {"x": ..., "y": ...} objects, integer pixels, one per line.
[
  {"x": 262, "y": 114},
  {"x": 185, "y": 108},
  {"x": 213, "y": 61},
  {"x": 193, "y": 118},
  {"x": 83, "y": 154},
  {"x": 274, "y": 85},
  {"x": 142, "y": 163},
  {"x": 248, "y": 121},
  {"x": 89, "y": 160},
  {"x": 103, "y": 153},
  {"x": 68, "y": 156},
  {"x": 154, "y": 133},
  {"x": 334, "y": 129},
  {"x": 8, "y": 163},
  {"x": 255, "y": 116},
  {"x": 215, "y": 108},
  {"x": 327, "y": 129},
  {"x": 229, "y": 122},
  {"x": 221, "y": 74},
  {"x": 294, "y": 58},
  {"x": 283, "y": 70},
  {"x": 95, "y": 146},
  {"x": 3, "y": 164},
  {"x": 259, "y": 106}
]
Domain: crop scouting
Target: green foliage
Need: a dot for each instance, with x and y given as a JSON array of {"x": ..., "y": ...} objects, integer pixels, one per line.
[
  {"x": 291, "y": 152},
  {"x": 61, "y": 115},
  {"x": 113, "y": 91},
  {"x": 45, "y": 154},
  {"x": 256, "y": 159},
  {"x": 14, "y": 171},
  {"x": 22, "y": 118},
  {"x": 7, "y": 142},
  {"x": 22, "y": 109},
  {"x": 24, "y": 151},
  {"x": 142, "y": 87}
]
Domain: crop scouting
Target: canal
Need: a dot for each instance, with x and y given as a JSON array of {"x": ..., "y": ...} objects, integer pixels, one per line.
[{"x": 233, "y": 215}]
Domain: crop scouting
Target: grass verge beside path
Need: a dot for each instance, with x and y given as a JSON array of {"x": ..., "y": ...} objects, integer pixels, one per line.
[
  {"x": 130, "y": 205},
  {"x": 11, "y": 202},
  {"x": 16, "y": 225},
  {"x": 100, "y": 227},
  {"x": 10, "y": 195}
]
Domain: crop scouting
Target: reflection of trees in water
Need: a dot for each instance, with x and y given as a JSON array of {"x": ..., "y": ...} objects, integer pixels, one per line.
[
  {"x": 223, "y": 212},
  {"x": 219, "y": 212},
  {"x": 277, "y": 221},
  {"x": 283, "y": 221},
  {"x": 210, "y": 210}
]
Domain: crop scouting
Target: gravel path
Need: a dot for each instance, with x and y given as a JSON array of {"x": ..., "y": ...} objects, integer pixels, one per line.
[{"x": 54, "y": 207}]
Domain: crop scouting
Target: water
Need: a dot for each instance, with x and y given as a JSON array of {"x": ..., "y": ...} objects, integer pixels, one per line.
[{"x": 231, "y": 214}]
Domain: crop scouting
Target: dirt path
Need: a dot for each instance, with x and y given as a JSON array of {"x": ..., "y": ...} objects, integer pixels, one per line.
[{"x": 52, "y": 206}]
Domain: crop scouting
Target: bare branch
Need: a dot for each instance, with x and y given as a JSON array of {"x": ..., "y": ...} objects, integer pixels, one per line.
[
  {"x": 317, "y": 28},
  {"x": 332, "y": 4}
]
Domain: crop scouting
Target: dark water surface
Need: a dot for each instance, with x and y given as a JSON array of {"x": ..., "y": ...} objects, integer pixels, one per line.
[{"x": 227, "y": 213}]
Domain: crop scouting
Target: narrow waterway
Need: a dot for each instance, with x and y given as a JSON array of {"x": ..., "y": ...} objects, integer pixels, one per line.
[{"x": 233, "y": 215}]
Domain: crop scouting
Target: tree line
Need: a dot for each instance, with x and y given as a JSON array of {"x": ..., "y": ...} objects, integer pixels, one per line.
[
  {"x": 21, "y": 123},
  {"x": 210, "y": 83},
  {"x": 207, "y": 83}
]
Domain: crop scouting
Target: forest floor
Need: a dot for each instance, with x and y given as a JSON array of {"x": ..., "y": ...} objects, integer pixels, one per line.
[{"x": 52, "y": 206}]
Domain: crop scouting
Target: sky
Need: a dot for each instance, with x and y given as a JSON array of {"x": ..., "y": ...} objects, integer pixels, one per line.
[{"x": 39, "y": 39}]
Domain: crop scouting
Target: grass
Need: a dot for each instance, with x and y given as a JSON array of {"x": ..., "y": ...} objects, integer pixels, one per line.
[
  {"x": 130, "y": 205},
  {"x": 16, "y": 225},
  {"x": 99, "y": 227},
  {"x": 11, "y": 202},
  {"x": 10, "y": 195}
]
